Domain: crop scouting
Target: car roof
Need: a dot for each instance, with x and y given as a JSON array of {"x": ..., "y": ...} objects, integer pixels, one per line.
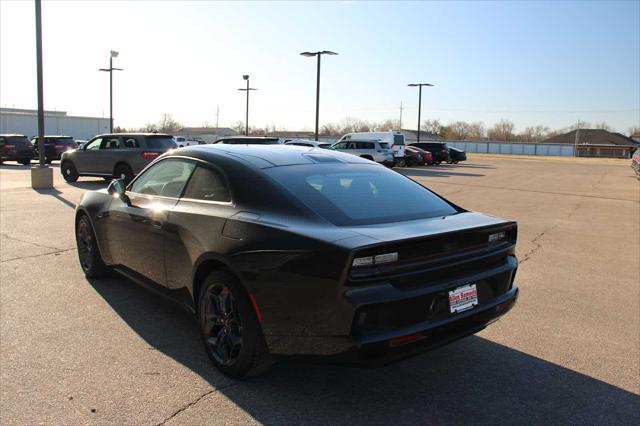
[
  {"x": 8, "y": 135},
  {"x": 134, "y": 134},
  {"x": 249, "y": 137},
  {"x": 266, "y": 156},
  {"x": 53, "y": 136}
]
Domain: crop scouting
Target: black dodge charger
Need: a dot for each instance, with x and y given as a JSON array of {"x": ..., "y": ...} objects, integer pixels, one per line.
[{"x": 282, "y": 250}]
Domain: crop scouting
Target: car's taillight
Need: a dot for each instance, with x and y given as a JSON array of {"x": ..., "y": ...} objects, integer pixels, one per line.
[
  {"x": 406, "y": 339},
  {"x": 9, "y": 146},
  {"x": 149, "y": 155},
  {"x": 377, "y": 260}
]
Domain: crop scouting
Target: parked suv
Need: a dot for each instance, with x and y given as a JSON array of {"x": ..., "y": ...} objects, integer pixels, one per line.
[
  {"x": 15, "y": 148},
  {"x": 439, "y": 150},
  {"x": 54, "y": 146},
  {"x": 380, "y": 152},
  {"x": 121, "y": 155}
]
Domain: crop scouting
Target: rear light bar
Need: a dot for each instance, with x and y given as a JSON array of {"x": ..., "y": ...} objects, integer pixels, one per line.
[
  {"x": 149, "y": 155},
  {"x": 10, "y": 146}
]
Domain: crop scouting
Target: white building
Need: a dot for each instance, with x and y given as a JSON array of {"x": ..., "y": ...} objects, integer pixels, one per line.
[{"x": 25, "y": 122}]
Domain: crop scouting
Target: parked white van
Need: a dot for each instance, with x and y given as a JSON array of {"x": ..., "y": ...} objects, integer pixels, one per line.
[{"x": 394, "y": 139}]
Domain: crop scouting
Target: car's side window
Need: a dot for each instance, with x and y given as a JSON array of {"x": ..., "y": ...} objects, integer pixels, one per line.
[
  {"x": 207, "y": 184},
  {"x": 111, "y": 143},
  {"x": 131, "y": 142},
  {"x": 94, "y": 144},
  {"x": 166, "y": 178},
  {"x": 341, "y": 145}
]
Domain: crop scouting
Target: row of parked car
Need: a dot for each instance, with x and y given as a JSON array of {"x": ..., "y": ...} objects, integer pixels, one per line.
[{"x": 124, "y": 155}]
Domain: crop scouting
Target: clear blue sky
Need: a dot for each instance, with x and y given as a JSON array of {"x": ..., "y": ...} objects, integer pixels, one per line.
[{"x": 548, "y": 63}]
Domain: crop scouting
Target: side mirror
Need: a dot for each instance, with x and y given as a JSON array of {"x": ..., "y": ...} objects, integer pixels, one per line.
[{"x": 117, "y": 189}]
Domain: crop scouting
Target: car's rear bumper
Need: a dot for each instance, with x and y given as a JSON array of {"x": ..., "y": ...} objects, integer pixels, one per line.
[
  {"x": 16, "y": 156},
  {"x": 398, "y": 342}
]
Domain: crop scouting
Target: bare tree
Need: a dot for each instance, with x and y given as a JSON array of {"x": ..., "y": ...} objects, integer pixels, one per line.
[
  {"x": 432, "y": 126},
  {"x": 386, "y": 125},
  {"x": 476, "y": 131},
  {"x": 167, "y": 124},
  {"x": 459, "y": 130},
  {"x": 602, "y": 125},
  {"x": 239, "y": 127},
  {"x": 502, "y": 131},
  {"x": 149, "y": 128},
  {"x": 535, "y": 133}
]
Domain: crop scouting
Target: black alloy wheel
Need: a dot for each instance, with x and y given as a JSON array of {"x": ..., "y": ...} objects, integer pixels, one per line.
[
  {"x": 221, "y": 324},
  {"x": 230, "y": 327},
  {"x": 88, "y": 251}
]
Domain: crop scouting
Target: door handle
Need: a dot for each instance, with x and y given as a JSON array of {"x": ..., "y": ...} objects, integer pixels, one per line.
[{"x": 157, "y": 224}]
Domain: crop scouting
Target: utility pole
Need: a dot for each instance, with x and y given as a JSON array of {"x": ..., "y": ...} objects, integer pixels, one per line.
[
  {"x": 217, "y": 116},
  {"x": 400, "y": 116},
  {"x": 576, "y": 140}
]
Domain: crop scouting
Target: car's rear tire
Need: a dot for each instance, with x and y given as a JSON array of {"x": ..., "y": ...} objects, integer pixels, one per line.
[
  {"x": 455, "y": 162},
  {"x": 25, "y": 162},
  {"x": 368, "y": 157},
  {"x": 124, "y": 172},
  {"x": 230, "y": 328},
  {"x": 401, "y": 163},
  {"x": 88, "y": 252},
  {"x": 69, "y": 172}
]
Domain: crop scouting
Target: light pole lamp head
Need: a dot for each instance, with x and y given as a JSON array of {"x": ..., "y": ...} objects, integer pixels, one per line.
[
  {"x": 245, "y": 77},
  {"x": 328, "y": 52},
  {"x": 114, "y": 54},
  {"x": 419, "y": 84},
  {"x": 308, "y": 54}
]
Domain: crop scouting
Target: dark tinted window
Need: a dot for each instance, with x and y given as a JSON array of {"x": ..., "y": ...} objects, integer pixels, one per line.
[
  {"x": 111, "y": 143},
  {"x": 160, "y": 142},
  {"x": 365, "y": 145},
  {"x": 398, "y": 139},
  {"x": 207, "y": 184},
  {"x": 384, "y": 145},
  {"x": 341, "y": 145},
  {"x": 359, "y": 194}
]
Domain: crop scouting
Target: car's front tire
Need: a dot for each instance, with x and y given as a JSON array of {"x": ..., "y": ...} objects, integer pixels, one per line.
[
  {"x": 88, "y": 252},
  {"x": 69, "y": 172},
  {"x": 25, "y": 162},
  {"x": 230, "y": 328}
]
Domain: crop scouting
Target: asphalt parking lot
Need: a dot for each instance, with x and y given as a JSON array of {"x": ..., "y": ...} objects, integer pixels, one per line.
[{"x": 74, "y": 351}]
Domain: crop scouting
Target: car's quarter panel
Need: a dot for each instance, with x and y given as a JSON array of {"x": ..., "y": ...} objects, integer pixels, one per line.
[{"x": 136, "y": 234}]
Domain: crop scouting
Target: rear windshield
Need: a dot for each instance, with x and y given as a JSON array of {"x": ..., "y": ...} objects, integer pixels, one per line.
[
  {"x": 352, "y": 195},
  {"x": 61, "y": 141},
  {"x": 398, "y": 139},
  {"x": 17, "y": 140},
  {"x": 160, "y": 142}
]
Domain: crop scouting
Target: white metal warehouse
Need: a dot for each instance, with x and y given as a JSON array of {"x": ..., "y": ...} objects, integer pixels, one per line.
[{"x": 25, "y": 122}]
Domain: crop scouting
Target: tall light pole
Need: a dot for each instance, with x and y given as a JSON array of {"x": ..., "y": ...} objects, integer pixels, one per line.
[
  {"x": 110, "y": 70},
  {"x": 41, "y": 175},
  {"x": 419, "y": 85},
  {"x": 248, "y": 89},
  {"x": 318, "y": 54}
]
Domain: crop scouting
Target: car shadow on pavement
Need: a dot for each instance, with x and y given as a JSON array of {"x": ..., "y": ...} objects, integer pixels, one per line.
[{"x": 471, "y": 381}]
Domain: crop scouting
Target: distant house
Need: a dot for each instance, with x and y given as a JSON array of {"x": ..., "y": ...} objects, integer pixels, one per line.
[
  {"x": 207, "y": 134},
  {"x": 596, "y": 143},
  {"x": 412, "y": 135}
]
